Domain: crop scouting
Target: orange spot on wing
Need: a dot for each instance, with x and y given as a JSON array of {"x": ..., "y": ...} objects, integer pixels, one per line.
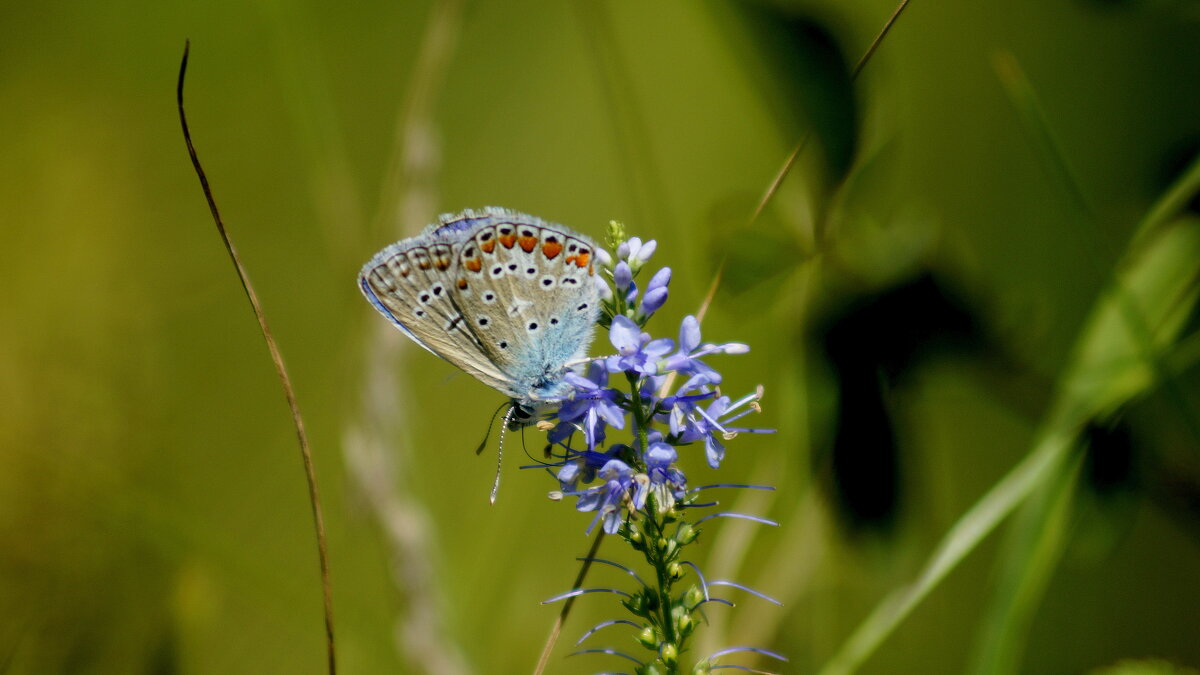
[
  {"x": 442, "y": 264},
  {"x": 488, "y": 246},
  {"x": 527, "y": 243},
  {"x": 581, "y": 260},
  {"x": 462, "y": 284},
  {"x": 508, "y": 240},
  {"x": 474, "y": 264},
  {"x": 551, "y": 249}
]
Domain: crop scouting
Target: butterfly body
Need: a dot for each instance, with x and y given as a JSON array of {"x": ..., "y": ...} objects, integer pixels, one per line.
[{"x": 505, "y": 296}]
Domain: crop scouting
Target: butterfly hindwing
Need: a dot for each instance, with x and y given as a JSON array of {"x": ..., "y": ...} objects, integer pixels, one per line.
[{"x": 530, "y": 296}]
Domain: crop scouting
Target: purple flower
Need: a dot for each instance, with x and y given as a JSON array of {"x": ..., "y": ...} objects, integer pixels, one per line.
[
  {"x": 636, "y": 352},
  {"x": 581, "y": 467},
  {"x": 690, "y": 421},
  {"x": 660, "y": 460},
  {"x": 592, "y": 406},
  {"x": 687, "y": 359},
  {"x": 606, "y": 500}
]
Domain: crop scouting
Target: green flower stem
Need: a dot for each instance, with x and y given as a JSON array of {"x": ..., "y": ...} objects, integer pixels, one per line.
[{"x": 657, "y": 550}]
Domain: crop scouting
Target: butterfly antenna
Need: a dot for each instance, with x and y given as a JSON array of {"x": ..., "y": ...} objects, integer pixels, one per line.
[
  {"x": 500, "y": 454},
  {"x": 488, "y": 432}
]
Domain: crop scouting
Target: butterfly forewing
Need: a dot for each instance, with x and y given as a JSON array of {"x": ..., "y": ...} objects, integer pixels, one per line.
[{"x": 409, "y": 282}]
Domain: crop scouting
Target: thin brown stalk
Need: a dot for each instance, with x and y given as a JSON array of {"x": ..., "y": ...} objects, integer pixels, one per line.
[
  {"x": 556, "y": 629},
  {"x": 277, "y": 358}
]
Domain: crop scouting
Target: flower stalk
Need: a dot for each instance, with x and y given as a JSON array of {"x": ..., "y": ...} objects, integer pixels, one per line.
[{"x": 637, "y": 490}]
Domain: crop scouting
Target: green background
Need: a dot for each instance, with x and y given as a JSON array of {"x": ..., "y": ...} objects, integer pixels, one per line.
[{"x": 153, "y": 511}]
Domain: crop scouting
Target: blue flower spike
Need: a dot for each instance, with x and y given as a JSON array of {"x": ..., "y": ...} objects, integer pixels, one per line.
[{"x": 637, "y": 489}]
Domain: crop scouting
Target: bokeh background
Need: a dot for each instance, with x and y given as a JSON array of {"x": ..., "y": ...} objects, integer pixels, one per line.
[{"x": 986, "y": 258}]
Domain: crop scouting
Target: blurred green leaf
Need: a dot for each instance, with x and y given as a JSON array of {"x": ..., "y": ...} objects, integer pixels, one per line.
[{"x": 807, "y": 79}]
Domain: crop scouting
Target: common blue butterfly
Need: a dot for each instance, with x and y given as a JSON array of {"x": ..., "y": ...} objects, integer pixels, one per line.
[{"x": 505, "y": 296}]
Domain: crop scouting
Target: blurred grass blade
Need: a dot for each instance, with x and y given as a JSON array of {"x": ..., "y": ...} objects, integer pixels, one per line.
[
  {"x": 962, "y": 538},
  {"x": 1117, "y": 357},
  {"x": 1039, "y": 537}
]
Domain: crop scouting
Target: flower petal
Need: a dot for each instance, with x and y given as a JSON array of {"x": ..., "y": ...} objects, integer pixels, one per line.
[{"x": 624, "y": 335}]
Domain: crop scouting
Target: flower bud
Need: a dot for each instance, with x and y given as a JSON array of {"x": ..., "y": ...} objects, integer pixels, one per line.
[
  {"x": 634, "y": 245},
  {"x": 648, "y": 638},
  {"x": 642, "y": 254},
  {"x": 686, "y": 534},
  {"x": 693, "y": 597},
  {"x": 603, "y": 257},
  {"x": 685, "y": 625},
  {"x": 671, "y": 550},
  {"x": 602, "y": 288},
  {"x": 654, "y": 300},
  {"x": 675, "y": 571},
  {"x": 636, "y": 539},
  {"x": 669, "y": 655},
  {"x": 637, "y": 604},
  {"x": 661, "y": 278},
  {"x": 622, "y": 276}
]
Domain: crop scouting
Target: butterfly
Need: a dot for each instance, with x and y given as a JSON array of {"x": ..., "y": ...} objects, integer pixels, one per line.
[{"x": 505, "y": 296}]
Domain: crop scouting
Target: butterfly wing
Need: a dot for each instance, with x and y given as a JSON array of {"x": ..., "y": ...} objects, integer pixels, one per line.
[
  {"x": 525, "y": 289},
  {"x": 409, "y": 283}
]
